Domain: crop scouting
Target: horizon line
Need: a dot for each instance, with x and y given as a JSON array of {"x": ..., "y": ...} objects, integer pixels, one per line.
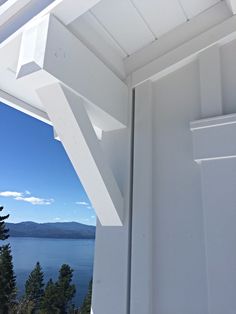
[{"x": 45, "y": 222}]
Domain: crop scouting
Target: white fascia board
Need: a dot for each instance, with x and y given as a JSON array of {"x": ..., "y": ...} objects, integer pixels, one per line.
[
  {"x": 17, "y": 14},
  {"x": 232, "y": 5},
  {"x": 182, "y": 55},
  {"x": 22, "y": 106},
  {"x": 10, "y": 8},
  {"x": 73, "y": 127},
  {"x": 65, "y": 10},
  {"x": 46, "y": 56}
]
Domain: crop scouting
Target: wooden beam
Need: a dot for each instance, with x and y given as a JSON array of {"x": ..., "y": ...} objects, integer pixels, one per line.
[
  {"x": 67, "y": 60},
  {"x": 71, "y": 122},
  {"x": 232, "y": 5}
]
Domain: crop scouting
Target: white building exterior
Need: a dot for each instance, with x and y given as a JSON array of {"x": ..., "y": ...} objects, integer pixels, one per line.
[{"x": 142, "y": 95}]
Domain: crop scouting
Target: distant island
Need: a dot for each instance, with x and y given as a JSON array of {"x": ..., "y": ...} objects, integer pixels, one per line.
[{"x": 59, "y": 230}]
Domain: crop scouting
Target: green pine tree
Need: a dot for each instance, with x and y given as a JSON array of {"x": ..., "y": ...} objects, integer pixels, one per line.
[
  {"x": 7, "y": 277},
  {"x": 7, "y": 280},
  {"x": 86, "y": 306},
  {"x": 65, "y": 290},
  {"x": 24, "y": 306},
  {"x": 49, "y": 301},
  {"x": 3, "y": 230},
  {"x": 57, "y": 296},
  {"x": 34, "y": 287}
]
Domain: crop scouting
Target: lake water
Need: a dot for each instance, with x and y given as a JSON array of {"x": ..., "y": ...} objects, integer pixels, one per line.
[{"x": 52, "y": 253}]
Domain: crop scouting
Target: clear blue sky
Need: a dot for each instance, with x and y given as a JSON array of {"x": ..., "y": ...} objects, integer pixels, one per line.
[{"x": 37, "y": 180}]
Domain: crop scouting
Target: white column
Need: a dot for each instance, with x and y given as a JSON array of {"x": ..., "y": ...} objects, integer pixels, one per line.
[{"x": 141, "y": 262}]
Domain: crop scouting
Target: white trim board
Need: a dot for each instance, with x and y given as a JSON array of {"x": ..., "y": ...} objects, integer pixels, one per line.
[{"x": 24, "y": 107}]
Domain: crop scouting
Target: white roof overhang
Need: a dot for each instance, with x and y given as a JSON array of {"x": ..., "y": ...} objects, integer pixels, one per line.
[{"x": 105, "y": 36}]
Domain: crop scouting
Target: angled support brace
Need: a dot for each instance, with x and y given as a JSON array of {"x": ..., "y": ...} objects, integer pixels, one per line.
[{"x": 71, "y": 122}]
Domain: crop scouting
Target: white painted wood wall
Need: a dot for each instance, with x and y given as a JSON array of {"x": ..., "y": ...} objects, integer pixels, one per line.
[{"x": 184, "y": 214}]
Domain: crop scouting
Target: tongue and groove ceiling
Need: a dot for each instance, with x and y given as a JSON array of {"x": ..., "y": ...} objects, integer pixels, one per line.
[{"x": 130, "y": 25}]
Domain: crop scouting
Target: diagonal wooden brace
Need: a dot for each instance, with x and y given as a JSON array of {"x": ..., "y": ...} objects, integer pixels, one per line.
[{"x": 71, "y": 122}]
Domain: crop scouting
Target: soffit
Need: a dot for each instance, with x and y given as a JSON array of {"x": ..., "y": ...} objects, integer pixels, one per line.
[{"x": 129, "y": 25}]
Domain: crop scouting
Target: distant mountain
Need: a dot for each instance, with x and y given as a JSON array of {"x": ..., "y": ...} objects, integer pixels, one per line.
[{"x": 61, "y": 230}]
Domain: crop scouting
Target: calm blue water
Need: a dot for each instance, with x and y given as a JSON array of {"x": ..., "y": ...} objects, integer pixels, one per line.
[{"x": 52, "y": 253}]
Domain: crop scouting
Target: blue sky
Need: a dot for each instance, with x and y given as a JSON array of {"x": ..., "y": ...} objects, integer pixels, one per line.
[{"x": 37, "y": 180}]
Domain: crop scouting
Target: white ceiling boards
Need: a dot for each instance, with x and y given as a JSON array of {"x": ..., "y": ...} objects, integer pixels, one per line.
[
  {"x": 124, "y": 23},
  {"x": 159, "y": 16},
  {"x": 134, "y": 24}
]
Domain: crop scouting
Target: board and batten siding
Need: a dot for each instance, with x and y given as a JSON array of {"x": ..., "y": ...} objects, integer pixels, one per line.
[{"x": 184, "y": 208}]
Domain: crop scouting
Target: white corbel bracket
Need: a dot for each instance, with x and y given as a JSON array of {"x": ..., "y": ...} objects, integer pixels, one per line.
[
  {"x": 214, "y": 138},
  {"x": 80, "y": 95},
  {"x": 72, "y": 125},
  {"x": 50, "y": 53}
]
